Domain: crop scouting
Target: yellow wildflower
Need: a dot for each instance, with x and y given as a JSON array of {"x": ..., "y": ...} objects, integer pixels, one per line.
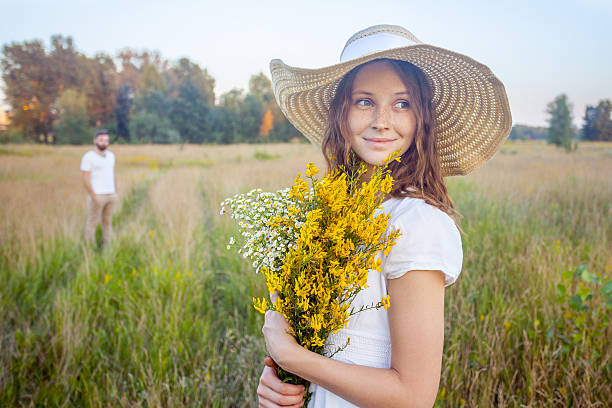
[
  {"x": 386, "y": 301},
  {"x": 311, "y": 170},
  {"x": 315, "y": 246},
  {"x": 260, "y": 304}
]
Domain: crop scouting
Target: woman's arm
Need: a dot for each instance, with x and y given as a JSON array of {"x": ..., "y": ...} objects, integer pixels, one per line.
[{"x": 416, "y": 322}]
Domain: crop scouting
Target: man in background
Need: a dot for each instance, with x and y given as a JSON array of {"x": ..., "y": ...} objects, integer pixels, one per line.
[{"x": 98, "y": 168}]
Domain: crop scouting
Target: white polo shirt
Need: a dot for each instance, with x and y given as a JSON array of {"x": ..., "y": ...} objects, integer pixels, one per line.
[{"x": 102, "y": 168}]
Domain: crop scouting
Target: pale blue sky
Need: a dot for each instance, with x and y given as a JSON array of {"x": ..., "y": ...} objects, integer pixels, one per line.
[{"x": 539, "y": 49}]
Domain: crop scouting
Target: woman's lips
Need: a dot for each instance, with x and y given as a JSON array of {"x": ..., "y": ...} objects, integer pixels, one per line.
[{"x": 379, "y": 141}]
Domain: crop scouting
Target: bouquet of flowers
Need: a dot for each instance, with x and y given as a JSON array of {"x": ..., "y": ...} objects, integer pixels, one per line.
[{"x": 315, "y": 245}]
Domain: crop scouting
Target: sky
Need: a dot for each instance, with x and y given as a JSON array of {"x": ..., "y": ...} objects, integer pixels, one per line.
[{"x": 539, "y": 49}]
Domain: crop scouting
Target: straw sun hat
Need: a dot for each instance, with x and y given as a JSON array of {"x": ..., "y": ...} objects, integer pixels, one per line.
[{"x": 472, "y": 112}]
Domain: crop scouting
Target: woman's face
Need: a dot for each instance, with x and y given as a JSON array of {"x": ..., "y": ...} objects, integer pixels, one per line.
[{"x": 380, "y": 119}]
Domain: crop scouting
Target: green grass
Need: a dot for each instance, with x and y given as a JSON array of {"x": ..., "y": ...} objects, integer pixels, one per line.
[
  {"x": 513, "y": 339},
  {"x": 118, "y": 327},
  {"x": 265, "y": 156},
  {"x": 137, "y": 325}
]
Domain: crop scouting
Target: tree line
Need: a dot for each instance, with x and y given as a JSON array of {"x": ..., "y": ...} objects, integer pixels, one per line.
[
  {"x": 60, "y": 95},
  {"x": 597, "y": 124}
]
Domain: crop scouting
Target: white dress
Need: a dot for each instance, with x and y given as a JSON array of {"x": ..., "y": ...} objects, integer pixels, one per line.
[{"x": 430, "y": 240}]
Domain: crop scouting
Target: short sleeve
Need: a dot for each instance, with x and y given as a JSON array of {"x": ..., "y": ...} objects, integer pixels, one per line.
[
  {"x": 430, "y": 240},
  {"x": 86, "y": 162}
]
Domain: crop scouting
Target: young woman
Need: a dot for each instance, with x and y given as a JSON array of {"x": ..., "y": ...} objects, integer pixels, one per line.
[{"x": 446, "y": 114}]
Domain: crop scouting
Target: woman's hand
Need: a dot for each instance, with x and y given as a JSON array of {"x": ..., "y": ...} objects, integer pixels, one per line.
[
  {"x": 281, "y": 345},
  {"x": 274, "y": 393}
]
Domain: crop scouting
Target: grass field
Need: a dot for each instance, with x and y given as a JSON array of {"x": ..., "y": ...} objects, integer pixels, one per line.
[{"x": 163, "y": 316}]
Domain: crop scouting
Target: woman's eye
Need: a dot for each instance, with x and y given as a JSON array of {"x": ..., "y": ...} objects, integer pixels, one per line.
[
  {"x": 402, "y": 105},
  {"x": 364, "y": 102}
]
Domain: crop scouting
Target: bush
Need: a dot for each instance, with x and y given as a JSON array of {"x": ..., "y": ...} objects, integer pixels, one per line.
[
  {"x": 12, "y": 136},
  {"x": 73, "y": 130}
]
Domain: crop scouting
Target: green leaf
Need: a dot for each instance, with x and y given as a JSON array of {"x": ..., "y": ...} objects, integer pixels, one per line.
[
  {"x": 608, "y": 301},
  {"x": 584, "y": 292},
  {"x": 575, "y": 302},
  {"x": 588, "y": 277},
  {"x": 561, "y": 289},
  {"x": 607, "y": 288},
  {"x": 567, "y": 274}
]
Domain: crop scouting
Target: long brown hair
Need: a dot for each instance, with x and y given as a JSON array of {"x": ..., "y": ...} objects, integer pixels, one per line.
[{"x": 418, "y": 174}]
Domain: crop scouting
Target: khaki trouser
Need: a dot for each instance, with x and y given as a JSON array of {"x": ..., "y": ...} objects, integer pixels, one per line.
[{"x": 103, "y": 208}]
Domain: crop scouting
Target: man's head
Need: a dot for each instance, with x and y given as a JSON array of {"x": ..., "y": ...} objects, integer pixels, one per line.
[{"x": 101, "y": 139}]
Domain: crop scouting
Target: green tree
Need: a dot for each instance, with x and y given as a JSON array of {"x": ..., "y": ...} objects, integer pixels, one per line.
[
  {"x": 152, "y": 106},
  {"x": 185, "y": 72},
  {"x": 149, "y": 128},
  {"x": 190, "y": 115},
  {"x": 191, "y": 90},
  {"x": 156, "y": 102},
  {"x": 560, "y": 131},
  {"x": 238, "y": 118},
  {"x": 224, "y": 125},
  {"x": 284, "y": 131},
  {"x": 281, "y": 131},
  {"x": 597, "y": 123},
  {"x": 72, "y": 126},
  {"x": 261, "y": 86},
  {"x": 251, "y": 115}
]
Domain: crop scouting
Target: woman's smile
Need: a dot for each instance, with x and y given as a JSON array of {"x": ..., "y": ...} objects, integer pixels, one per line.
[{"x": 379, "y": 143}]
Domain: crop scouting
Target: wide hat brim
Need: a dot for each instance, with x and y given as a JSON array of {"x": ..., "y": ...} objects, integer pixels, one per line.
[{"x": 472, "y": 111}]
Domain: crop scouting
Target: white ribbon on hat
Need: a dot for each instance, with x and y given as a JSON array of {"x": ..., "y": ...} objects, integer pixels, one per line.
[{"x": 373, "y": 43}]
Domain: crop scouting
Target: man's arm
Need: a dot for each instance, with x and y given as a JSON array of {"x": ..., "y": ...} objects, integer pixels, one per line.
[
  {"x": 115, "y": 175},
  {"x": 87, "y": 184}
]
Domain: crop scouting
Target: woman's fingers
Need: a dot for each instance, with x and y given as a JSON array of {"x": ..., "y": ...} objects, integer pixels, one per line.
[
  {"x": 273, "y": 392},
  {"x": 270, "y": 380},
  {"x": 264, "y": 403}
]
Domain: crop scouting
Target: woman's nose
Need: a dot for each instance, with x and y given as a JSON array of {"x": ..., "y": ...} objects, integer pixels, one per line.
[{"x": 381, "y": 119}]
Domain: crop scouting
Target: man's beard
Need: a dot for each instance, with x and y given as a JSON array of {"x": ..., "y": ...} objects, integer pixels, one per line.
[{"x": 102, "y": 148}]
